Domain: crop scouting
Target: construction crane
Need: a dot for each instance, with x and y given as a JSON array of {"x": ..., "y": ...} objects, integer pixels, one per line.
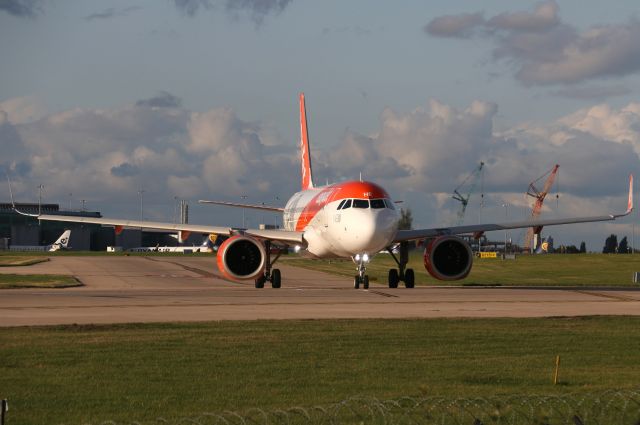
[
  {"x": 539, "y": 195},
  {"x": 464, "y": 200}
]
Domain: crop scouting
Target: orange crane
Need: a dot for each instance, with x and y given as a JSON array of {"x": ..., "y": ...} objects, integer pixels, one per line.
[{"x": 537, "y": 207}]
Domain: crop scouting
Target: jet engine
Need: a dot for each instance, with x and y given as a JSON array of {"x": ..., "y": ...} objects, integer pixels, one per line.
[
  {"x": 241, "y": 258},
  {"x": 448, "y": 258}
]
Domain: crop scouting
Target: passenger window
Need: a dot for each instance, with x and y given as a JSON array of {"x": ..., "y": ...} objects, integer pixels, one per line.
[
  {"x": 389, "y": 204},
  {"x": 360, "y": 203},
  {"x": 377, "y": 203},
  {"x": 347, "y": 204},
  {"x": 341, "y": 204}
]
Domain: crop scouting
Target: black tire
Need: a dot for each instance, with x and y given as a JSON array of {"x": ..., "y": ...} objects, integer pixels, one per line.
[
  {"x": 276, "y": 278},
  {"x": 365, "y": 284},
  {"x": 393, "y": 278},
  {"x": 260, "y": 282},
  {"x": 409, "y": 278},
  {"x": 356, "y": 282}
]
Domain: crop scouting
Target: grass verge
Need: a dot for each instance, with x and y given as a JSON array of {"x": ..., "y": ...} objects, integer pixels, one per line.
[
  {"x": 15, "y": 260},
  {"x": 526, "y": 270},
  {"x": 126, "y": 373},
  {"x": 10, "y": 281}
]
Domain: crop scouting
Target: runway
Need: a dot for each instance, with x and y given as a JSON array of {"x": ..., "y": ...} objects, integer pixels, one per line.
[{"x": 161, "y": 289}]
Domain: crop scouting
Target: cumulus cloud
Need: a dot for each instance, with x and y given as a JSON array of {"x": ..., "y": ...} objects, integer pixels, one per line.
[
  {"x": 544, "y": 50},
  {"x": 544, "y": 17},
  {"x": 21, "y": 8},
  {"x": 162, "y": 100},
  {"x": 109, "y": 154},
  {"x": 460, "y": 26},
  {"x": 20, "y": 110},
  {"x": 256, "y": 9}
]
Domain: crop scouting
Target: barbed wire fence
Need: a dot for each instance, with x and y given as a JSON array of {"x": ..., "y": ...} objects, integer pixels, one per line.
[{"x": 605, "y": 408}]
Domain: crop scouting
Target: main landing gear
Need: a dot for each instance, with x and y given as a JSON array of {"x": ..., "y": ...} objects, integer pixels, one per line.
[
  {"x": 361, "y": 278},
  {"x": 270, "y": 275},
  {"x": 401, "y": 273}
]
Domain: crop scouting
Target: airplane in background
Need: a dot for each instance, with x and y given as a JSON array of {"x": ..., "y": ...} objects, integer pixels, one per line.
[
  {"x": 61, "y": 244},
  {"x": 210, "y": 244},
  {"x": 354, "y": 219}
]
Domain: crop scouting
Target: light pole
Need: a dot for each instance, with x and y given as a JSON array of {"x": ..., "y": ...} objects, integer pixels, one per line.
[
  {"x": 243, "y": 198},
  {"x": 141, "y": 193},
  {"x": 506, "y": 219},
  {"x": 175, "y": 209},
  {"x": 40, "y": 187},
  {"x": 70, "y": 195},
  {"x": 83, "y": 201}
]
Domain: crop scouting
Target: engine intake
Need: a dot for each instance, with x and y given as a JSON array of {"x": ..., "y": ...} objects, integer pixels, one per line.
[
  {"x": 241, "y": 257},
  {"x": 448, "y": 258}
]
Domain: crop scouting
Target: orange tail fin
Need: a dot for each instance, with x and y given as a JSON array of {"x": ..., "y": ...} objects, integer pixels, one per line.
[{"x": 307, "y": 179}]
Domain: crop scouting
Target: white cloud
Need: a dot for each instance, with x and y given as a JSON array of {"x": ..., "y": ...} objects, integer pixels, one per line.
[
  {"x": 21, "y": 110},
  {"x": 543, "y": 50}
]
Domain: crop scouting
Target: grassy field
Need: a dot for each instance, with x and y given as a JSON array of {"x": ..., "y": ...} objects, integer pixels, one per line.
[
  {"x": 543, "y": 270},
  {"x": 90, "y": 374},
  {"x": 10, "y": 281},
  {"x": 20, "y": 260}
]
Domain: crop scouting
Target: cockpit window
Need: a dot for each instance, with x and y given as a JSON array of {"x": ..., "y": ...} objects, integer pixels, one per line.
[
  {"x": 347, "y": 204},
  {"x": 377, "y": 203},
  {"x": 360, "y": 203},
  {"x": 389, "y": 204},
  {"x": 341, "y": 204}
]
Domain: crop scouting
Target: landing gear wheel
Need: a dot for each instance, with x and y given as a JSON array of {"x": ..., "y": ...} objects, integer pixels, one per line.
[
  {"x": 275, "y": 278},
  {"x": 365, "y": 283},
  {"x": 260, "y": 282},
  {"x": 393, "y": 278},
  {"x": 409, "y": 278},
  {"x": 356, "y": 282}
]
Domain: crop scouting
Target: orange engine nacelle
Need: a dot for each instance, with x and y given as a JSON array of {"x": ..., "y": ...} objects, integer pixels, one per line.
[
  {"x": 241, "y": 258},
  {"x": 448, "y": 258}
]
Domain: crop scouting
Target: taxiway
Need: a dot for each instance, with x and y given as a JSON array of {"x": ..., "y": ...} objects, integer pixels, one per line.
[{"x": 124, "y": 289}]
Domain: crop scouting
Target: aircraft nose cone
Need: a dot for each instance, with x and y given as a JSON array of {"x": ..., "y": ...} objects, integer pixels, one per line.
[{"x": 376, "y": 230}]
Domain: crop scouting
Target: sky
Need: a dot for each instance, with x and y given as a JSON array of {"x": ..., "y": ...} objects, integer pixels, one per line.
[{"x": 197, "y": 99}]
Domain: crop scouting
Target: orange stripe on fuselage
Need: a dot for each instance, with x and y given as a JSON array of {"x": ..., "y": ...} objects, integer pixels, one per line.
[{"x": 337, "y": 192}]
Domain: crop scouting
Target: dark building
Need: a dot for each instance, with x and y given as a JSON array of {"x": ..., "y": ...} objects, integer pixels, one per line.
[{"x": 25, "y": 230}]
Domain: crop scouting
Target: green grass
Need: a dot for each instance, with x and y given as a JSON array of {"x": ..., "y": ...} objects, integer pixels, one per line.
[
  {"x": 37, "y": 254},
  {"x": 90, "y": 374},
  {"x": 20, "y": 260},
  {"x": 11, "y": 281},
  {"x": 543, "y": 270}
]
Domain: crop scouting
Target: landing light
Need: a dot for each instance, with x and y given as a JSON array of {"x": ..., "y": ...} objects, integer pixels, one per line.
[
  {"x": 365, "y": 258},
  {"x": 296, "y": 249}
]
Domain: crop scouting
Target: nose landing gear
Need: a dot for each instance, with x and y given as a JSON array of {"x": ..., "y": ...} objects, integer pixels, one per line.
[
  {"x": 361, "y": 278},
  {"x": 401, "y": 273}
]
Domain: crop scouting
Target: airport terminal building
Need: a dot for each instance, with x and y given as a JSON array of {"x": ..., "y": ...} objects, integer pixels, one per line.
[{"x": 16, "y": 229}]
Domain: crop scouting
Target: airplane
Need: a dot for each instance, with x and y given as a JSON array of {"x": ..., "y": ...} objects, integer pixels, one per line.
[
  {"x": 353, "y": 219},
  {"x": 61, "y": 244},
  {"x": 208, "y": 245}
]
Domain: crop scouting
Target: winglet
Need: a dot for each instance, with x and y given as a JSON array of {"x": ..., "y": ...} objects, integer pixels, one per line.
[
  {"x": 630, "y": 201},
  {"x": 13, "y": 204},
  {"x": 307, "y": 179}
]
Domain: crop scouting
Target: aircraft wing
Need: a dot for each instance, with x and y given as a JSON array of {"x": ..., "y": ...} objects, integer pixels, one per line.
[
  {"x": 273, "y": 235},
  {"x": 251, "y": 206},
  {"x": 405, "y": 235}
]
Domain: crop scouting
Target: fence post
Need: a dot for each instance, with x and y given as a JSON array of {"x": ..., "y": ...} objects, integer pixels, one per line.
[{"x": 4, "y": 407}]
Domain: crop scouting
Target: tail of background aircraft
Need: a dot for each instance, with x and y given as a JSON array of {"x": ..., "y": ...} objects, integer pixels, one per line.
[
  {"x": 62, "y": 242},
  {"x": 307, "y": 178}
]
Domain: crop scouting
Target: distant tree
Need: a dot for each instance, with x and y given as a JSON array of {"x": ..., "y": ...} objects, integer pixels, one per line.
[
  {"x": 406, "y": 219},
  {"x": 583, "y": 247},
  {"x": 623, "y": 246},
  {"x": 610, "y": 245},
  {"x": 571, "y": 249}
]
